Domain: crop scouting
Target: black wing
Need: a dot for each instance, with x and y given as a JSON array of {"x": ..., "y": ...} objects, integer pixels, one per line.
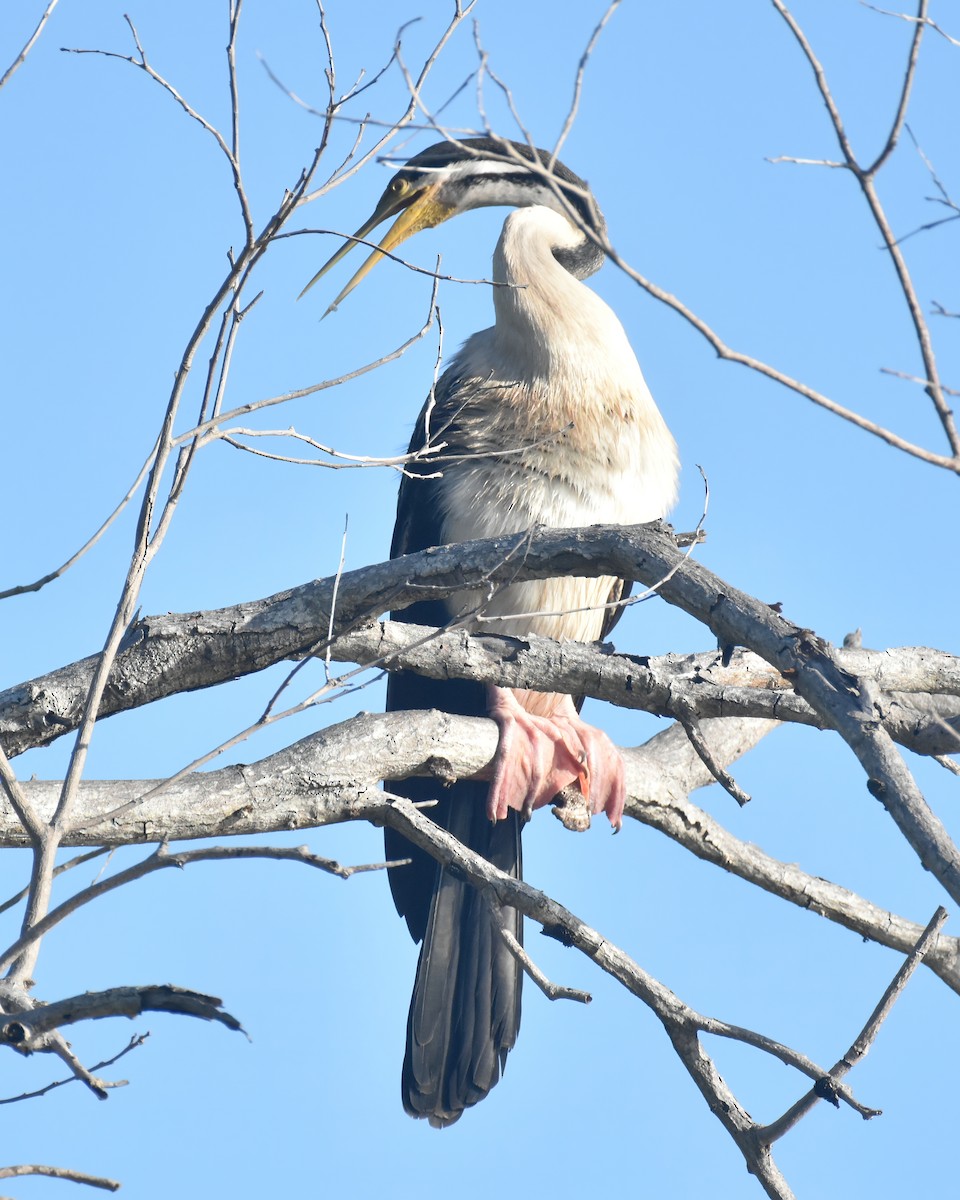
[{"x": 465, "y": 1010}]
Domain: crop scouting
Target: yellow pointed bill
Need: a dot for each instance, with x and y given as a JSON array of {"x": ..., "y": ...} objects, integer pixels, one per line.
[{"x": 423, "y": 212}]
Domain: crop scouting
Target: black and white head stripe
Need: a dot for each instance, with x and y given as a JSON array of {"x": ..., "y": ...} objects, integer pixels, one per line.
[{"x": 481, "y": 172}]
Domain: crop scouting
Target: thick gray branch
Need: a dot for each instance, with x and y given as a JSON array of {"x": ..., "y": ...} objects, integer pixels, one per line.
[
  {"x": 921, "y": 704},
  {"x": 28, "y": 1028},
  {"x": 296, "y": 622},
  {"x": 174, "y": 653},
  {"x": 667, "y": 767},
  {"x": 331, "y": 776}
]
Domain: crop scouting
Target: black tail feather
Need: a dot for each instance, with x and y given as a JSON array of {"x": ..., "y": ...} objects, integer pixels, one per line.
[{"x": 465, "y": 1010}]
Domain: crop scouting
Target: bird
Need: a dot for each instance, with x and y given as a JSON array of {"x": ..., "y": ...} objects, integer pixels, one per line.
[{"x": 544, "y": 419}]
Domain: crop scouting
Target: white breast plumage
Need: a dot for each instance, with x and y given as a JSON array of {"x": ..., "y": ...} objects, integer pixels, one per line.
[{"x": 566, "y": 427}]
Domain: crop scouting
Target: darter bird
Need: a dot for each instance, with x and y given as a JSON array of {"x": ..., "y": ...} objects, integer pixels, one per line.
[{"x": 546, "y": 420}]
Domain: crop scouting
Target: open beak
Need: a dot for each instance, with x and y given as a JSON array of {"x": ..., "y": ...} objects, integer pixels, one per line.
[{"x": 421, "y": 210}]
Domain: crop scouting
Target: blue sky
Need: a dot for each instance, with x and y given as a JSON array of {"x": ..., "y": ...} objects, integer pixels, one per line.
[{"x": 119, "y": 213}]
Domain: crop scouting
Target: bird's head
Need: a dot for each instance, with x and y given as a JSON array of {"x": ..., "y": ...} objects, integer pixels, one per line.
[{"x": 452, "y": 177}]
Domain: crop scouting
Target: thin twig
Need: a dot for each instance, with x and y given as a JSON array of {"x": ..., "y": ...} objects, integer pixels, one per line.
[
  {"x": 786, "y": 1054},
  {"x": 825, "y": 1089},
  {"x": 21, "y": 589},
  {"x": 152, "y": 524},
  {"x": 866, "y": 178},
  {"x": 77, "y": 861},
  {"x": 140, "y": 61},
  {"x": 552, "y": 991},
  {"x": 691, "y": 727},
  {"x": 726, "y": 352},
  {"x": 928, "y": 21},
  {"x": 29, "y": 44},
  {"x": 163, "y": 858},
  {"x": 578, "y": 80},
  {"x": 460, "y": 14},
  {"x": 26, "y": 815},
  {"x": 211, "y": 426},
  {"x": 135, "y": 1042}
]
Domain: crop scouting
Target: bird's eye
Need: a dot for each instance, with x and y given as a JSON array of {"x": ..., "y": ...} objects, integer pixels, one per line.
[{"x": 398, "y": 187}]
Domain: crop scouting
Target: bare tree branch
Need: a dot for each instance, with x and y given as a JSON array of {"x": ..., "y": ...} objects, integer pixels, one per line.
[
  {"x": 171, "y": 653},
  {"x": 163, "y": 858},
  {"x": 230, "y": 153},
  {"x": 28, "y": 1029},
  {"x": 866, "y": 178},
  {"x": 162, "y": 494},
  {"x": 28, "y": 45},
  {"x": 68, "y": 1173},
  {"x": 885, "y": 12},
  {"x": 826, "y": 1088},
  {"x": 333, "y": 775},
  {"x": 135, "y": 1042},
  {"x": 50, "y": 576}
]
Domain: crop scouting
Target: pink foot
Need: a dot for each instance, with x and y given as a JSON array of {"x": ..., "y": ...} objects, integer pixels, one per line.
[{"x": 538, "y": 756}]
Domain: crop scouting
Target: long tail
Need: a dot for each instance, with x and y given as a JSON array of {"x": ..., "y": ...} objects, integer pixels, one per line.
[{"x": 465, "y": 1009}]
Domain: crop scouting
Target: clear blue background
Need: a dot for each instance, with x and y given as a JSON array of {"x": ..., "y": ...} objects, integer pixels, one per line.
[{"x": 118, "y": 213}]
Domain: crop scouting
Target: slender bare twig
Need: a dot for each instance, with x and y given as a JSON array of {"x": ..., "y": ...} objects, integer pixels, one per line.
[
  {"x": 461, "y": 12},
  {"x": 77, "y": 861},
  {"x": 692, "y": 728},
  {"x": 786, "y": 1054},
  {"x": 163, "y": 858},
  {"x": 333, "y": 103},
  {"x": 218, "y": 371},
  {"x": 235, "y": 8},
  {"x": 135, "y": 1042},
  {"x": 928, "y": 21},
  {"x": 68, "y": 1173},
  {"x": 140, "y": 61},
  {"x": 944, "y": 199},
  {"x": 916, "y": 379},
  {"x": 211, "y": 426},
  {"x": 729, "y": 354},
  {"x": 26, "y": 815},
  {"x": 552, "y": 991},
  {"x": 826, "y": 1088},
  {"x": 866, "y": 178},
  {"x": 578, "y": 80},
  {"x": 484, "y": 71},
  {"x": 53, "y": 1042},
  {"x": 21, "y": 589},
  {"x": 333, "y": 599},
  {"x": 156, "y": 511},
  {"x": 371, "y": 244},
  {"x": 28, "y": 45},
  {"x": 343, "y": 461}
]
